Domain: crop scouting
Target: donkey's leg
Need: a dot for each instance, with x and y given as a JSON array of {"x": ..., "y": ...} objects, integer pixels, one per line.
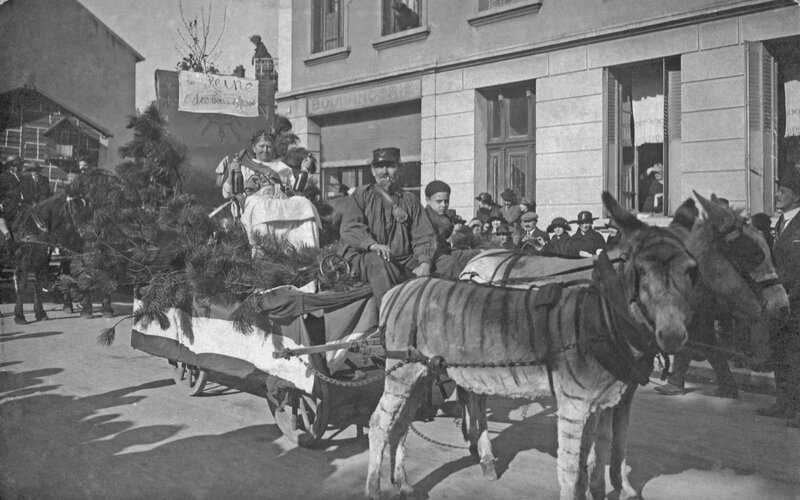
[
  {"x": 398, "y": 388},
  {"x": 618, "y": 470},
  {"x": 65, "y": 295},
  {"x": 108, "y": 312},
  {"x": 601, "y": 453},
  {"x": 572, "y": 419},
  {"x": 40, "y": 280},
  {"x": 484, "y": 443},
  {"x": 20, "y": 283},
  {"x": 399, "y": 434}
]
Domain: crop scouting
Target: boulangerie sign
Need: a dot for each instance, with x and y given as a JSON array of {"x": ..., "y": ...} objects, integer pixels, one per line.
[{"x": 227, "y": 95}]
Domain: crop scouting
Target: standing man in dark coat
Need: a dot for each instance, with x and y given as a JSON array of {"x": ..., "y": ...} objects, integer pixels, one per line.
[
  {"x": 10, "y": 194},
  {"x": 586, "y": 242},
  {"x": 785, "y": 341},
  {"x": 386, "y": 235},
  {"x": 35, "y": 187}
]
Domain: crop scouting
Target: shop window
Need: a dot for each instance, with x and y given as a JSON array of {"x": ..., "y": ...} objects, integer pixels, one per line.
[
  {"x": 773, "y": 116},
  {"x": 336, "y": 181},
  {"x": 642, "y": 128},
  {"x": 327, "y": 25},
  {"x": 400, "y": 15},
  {"x": 494, "y": 4},
  {"x": 510, "y": 145}
]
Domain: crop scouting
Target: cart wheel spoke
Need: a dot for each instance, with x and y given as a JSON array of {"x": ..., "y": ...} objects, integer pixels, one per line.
[{"x": 303, "y": 410}]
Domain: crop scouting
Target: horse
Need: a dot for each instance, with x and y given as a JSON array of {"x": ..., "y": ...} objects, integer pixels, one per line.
[
  {"x": 736, "y": 275},
  {"x": 37, "y": 230},
  {"x": 559, "y": 338}
]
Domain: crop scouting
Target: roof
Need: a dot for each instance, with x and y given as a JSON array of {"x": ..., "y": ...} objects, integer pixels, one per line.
[
  {"x": 79, "y": 125},
  {"x": 99, "y": 128},
  {"x": 137, "y": 55}
]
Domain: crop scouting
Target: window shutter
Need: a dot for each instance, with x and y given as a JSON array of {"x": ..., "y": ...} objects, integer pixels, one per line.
[
  {"x": 761, "y": 127},
  {"x": 611, "y": 92}
]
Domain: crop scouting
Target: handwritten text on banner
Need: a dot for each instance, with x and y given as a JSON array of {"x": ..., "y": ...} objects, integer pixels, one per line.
[{"x": 228, "y": 95}]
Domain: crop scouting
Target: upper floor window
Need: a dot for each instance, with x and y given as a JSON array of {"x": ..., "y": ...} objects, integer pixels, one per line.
[
  {"x": 400, "y": 15},
  {"x": 493, "y": 4},
  {"x": 327, "y": 25},
  {"x": 511, "y": 113}
]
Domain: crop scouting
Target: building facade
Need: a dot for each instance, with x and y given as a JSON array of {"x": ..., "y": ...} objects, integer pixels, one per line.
[
  {"x": 68, "y": 83},
  {"x": 556, "y": 99}
]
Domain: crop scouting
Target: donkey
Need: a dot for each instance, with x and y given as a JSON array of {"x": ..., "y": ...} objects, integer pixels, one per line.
[
  {"x": 37, "y": 230},
  {"x": 736, "y": 275},
  {"x": 553, "y": 336}
]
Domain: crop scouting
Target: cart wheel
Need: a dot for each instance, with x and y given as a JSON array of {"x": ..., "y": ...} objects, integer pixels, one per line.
[
  {"x": 334, "y": 267},
  {"x": 303, "y": 418},
  {"x": 195, "y": 380}
]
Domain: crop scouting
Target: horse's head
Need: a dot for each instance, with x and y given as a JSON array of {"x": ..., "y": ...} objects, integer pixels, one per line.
[
  {"x": 659, "y": 275},
  {"x": 737, "y": 271}
]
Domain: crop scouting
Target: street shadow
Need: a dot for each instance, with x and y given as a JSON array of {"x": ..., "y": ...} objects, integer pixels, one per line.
[
  {"x": 12, "y": 381},
  {"x": 8, "y": 337},
  {"x": 55, "y": 445},
  {"x": 526, "y": 431}
]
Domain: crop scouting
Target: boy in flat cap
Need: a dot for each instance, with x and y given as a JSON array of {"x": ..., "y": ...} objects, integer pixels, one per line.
[
  {"x": 586, "y": 242},
  {"x": 386, "y": 235}
]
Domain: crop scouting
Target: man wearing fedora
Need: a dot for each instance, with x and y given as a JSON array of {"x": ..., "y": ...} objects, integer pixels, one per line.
[
  {"x": 586, "y": 242},
  {"x": 785, "y": 341},
  {"x": 386, "y": 236},
  {"x": 35, "y": 187},
  {"x": 487, "y": 208},
  {"x": 10, "y": 192},
  {"x": 557, "y": 246}
]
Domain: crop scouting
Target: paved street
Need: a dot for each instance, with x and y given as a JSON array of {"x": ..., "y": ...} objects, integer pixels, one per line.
[{"x": 80, "y": 420}]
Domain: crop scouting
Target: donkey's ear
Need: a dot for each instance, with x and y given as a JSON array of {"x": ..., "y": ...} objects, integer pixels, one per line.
[
  {"x": 716, "y": 214},
  {"x": 686, "y": 214},
  {"x": 624, "y": 220}
]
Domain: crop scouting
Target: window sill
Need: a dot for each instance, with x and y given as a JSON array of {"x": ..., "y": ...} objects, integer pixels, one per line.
[
  {"x": 402, "y": 37},
  {"x": 502, "y": 13},
  {"x": 327, "y": 56}
]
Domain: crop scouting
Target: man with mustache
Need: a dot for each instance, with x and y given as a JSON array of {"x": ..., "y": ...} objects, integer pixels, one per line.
[{"x": 386, "y": 235}]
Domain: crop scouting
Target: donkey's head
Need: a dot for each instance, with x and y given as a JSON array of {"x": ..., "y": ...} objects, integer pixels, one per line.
[
  {"x": 659, "y": 275},
  {"x": 737, "y": 272}
]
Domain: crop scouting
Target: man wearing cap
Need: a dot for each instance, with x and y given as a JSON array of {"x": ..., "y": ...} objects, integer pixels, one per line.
[
  {"x": 534, "y": 239},
  {"x": 35, "y": 187},
  {"x": 785, "y": 341},
  {"x": 586, "y": 242},
  {"x": 487, "y": 208},
  {"x": 386, "y": 235},
  {"x": 557, "y": 246},
  {"x": 449, "y": 262}
]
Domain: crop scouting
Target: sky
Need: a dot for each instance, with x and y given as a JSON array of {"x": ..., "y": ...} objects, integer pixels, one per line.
[{"x": 150, "y": 26}]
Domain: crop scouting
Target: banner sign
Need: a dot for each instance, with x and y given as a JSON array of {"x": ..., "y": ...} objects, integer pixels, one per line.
[{"x": 227, "y": 95}]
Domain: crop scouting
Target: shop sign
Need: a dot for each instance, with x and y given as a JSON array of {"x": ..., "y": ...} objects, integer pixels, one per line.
[
  {"x": 366, "y": 98},
  {"x": 222, "y": 94}
]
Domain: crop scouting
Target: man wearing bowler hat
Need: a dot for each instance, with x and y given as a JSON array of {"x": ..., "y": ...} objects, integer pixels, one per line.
[
  {"x": 586, "y": 242},
  {"x": 386, "y": 235},
  {"x": 35, "y": 187},
  {"x": 785, "y": 341}
]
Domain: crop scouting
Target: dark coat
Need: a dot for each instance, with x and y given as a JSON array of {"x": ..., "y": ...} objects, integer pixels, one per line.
[
  {"x": 526, "y": 244},
  {"x": 591, "y": 241},
  {"x": 557, "y": 246},
  {"x": 369, "y": 219},
  {"x": 787, "y": 258},
  {"x": 443, "y": 227},
  {"x": 35, "y": 191},
  {"x": 10, "y": 195},
  {"x": 485, "y": 214}
]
